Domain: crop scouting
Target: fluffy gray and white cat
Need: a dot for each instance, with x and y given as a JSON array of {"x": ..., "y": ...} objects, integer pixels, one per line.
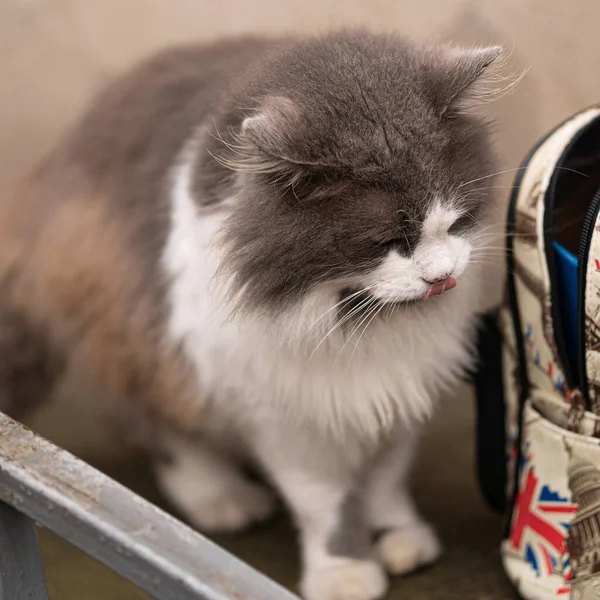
[{"x": 251, "y": 247}]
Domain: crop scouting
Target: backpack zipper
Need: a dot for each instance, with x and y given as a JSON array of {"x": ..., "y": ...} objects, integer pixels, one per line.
[{"x": 573, "y": 377}]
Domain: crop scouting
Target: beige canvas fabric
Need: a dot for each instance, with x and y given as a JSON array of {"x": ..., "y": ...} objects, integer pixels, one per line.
[
  {"x": 559, "y": 485},
  {"x": 553, "y": 547}
]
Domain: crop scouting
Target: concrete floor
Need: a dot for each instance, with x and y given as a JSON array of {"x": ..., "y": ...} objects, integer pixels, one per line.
[{"x": 446, "y": 491}]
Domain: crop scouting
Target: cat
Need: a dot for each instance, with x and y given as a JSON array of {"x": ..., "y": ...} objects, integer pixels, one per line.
[{"x": 265, "y": 251}]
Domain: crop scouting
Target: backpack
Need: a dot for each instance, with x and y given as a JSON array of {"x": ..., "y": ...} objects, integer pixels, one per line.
[{"x": 538, "y": 388}]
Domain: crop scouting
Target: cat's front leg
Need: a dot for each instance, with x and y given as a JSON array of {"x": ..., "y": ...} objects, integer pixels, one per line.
[
  {"x": 405, "y": 540},
  {"x": 325, "y": 496},
  {"x": 208, "y": 488}
]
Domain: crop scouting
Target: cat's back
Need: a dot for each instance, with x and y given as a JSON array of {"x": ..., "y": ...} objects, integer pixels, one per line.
[
  {"x": 133, "y": 130},
  {"x": 81, "y": 237},
  {"x": 104, "y": 189}
]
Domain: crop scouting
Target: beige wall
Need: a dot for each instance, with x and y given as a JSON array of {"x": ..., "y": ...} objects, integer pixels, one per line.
[{"x": 55, "y": 53}]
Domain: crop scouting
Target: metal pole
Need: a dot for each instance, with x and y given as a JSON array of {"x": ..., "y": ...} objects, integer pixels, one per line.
[
  {"x": 122, "y": 530},
  {"x": 21, "y": 569}
]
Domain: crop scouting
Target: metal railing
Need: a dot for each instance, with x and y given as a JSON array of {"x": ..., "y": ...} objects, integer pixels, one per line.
[{"x": 42, "y": 483}]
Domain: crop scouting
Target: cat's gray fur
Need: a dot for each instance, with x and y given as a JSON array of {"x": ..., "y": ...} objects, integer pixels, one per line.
[{"x": 236, "y": 241}]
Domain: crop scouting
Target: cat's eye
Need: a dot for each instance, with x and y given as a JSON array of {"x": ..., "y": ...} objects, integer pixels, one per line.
[
  {"x": 463, "y": 222},
  {"x": 390, "y": 243},
  {"x": 400, "y": 244}
]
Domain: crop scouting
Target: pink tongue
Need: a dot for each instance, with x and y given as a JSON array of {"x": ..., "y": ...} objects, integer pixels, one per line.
[{"x": 440, "y": 288}]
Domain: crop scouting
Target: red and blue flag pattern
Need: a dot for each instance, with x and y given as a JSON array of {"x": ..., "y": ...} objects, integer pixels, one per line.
[{"x": 540, "y": 527}]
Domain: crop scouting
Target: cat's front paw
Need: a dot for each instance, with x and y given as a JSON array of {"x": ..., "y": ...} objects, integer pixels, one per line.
[
  {"x": 347, "y": 580},
  {"x": 404, "y": 550},
  {"x": 232, "y": 508}
]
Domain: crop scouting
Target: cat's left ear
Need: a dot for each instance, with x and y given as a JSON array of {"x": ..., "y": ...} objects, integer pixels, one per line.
[
  {"x": 274, "y": 127},
  {"x": 464, "y": 80}
]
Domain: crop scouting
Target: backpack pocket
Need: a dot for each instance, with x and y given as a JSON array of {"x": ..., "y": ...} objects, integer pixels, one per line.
[{"x": 553, "y": 546}]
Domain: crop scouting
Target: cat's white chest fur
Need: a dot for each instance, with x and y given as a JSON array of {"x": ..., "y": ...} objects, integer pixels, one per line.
[{"x": 387, "y": 369}]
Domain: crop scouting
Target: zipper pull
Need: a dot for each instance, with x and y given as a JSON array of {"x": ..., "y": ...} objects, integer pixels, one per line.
[{"x": 577, "y": 409}]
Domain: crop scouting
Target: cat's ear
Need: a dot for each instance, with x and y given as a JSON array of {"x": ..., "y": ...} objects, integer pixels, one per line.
[
  {"x": 273, "y": 127},
  {"x": 269, "y": 139},
  {"x": 465, "y": 79}
]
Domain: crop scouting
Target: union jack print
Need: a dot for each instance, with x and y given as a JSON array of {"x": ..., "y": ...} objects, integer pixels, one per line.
[
  {"x": 567, "y": 571},
  {"x": 540, "y": 526}
]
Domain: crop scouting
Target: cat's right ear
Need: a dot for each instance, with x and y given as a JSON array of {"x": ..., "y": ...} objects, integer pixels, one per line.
[
  {"x": 465, "y": 78},
  {"x": 274, "y": 127}
]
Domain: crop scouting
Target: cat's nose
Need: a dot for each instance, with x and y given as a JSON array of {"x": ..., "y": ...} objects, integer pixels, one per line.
[{"x": 439, "y": 279}]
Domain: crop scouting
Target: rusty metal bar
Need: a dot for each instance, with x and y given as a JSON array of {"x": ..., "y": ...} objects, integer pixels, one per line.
[
  {"x": 122, "y": 530},
  {"x": 21, "y": 569}
]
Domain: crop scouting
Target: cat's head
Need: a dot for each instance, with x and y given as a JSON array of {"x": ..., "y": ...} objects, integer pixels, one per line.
[{"x": 358, "y": 168}]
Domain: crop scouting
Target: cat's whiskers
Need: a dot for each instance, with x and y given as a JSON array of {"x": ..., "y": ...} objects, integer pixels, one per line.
[
  {"x": 377, "y": 312},
  {"x": 514, "y": 170},
  {"x": 486, "y": 248},
  {"x": 363, "y": 304},
  {"x": 485, "y": 262},
  {"x": 494, "y": 187},
  {"x": 241, "y": 149},
  {"x": 485, "y": 229},
  {"x": 337, "y": 305},
  {"x": 357, "y": 326}
]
